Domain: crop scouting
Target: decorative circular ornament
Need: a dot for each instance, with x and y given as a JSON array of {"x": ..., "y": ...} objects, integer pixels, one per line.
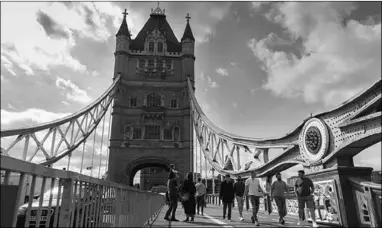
[{"x": 314, "y": 140}]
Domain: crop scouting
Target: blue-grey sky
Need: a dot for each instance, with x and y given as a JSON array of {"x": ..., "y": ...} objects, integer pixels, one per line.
[{"x": 261, "y": 68}]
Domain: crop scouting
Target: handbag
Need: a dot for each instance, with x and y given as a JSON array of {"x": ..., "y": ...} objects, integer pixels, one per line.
[{"x": 185, "y": 197}]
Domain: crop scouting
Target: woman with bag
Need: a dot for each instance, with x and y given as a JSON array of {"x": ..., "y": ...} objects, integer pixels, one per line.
[{"x": 188, "y": 197}]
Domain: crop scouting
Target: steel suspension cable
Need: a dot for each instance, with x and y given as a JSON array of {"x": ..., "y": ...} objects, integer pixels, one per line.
[
  {"x": 83, "y": 147},
  {"x": 206, "y": 170},
  {"x": 108, "y": 149},
  {"x": 70, "y": 156},
  {"x": 94, "y": 138},
  {"x": 200, "y": 161},
  {"x": 82, "y": 158},
  {"x": 100, "y": 153}
]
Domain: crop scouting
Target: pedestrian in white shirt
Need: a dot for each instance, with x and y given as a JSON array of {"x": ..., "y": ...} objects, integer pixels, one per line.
[
  {"x": 200, "y": 194},
  {"x": 254, "y": 191}
]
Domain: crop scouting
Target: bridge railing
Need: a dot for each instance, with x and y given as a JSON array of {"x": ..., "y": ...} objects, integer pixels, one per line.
[
  {"x": 68, "y": 199},
  {"x": 369, "y": 201},
  {"x": 291, "y": 203}
]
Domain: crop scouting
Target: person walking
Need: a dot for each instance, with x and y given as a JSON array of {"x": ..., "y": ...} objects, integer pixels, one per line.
[
  {"x": 278, "y": 189},
  {"x": 239, "y": 188},
  {"x": 304, "y": 189},
  {"x": 267, "y": 200},
  {"x": 227, "y": 194},
  {"x": 188, "y": 197},
  {"x": 200, "y": 195},
  {"x": 254, "y": 191},
  {"x": 172, "y": 197}
]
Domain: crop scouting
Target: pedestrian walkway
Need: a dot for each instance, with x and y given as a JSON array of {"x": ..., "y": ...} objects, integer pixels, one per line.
[{"x": 213, "y": 218}]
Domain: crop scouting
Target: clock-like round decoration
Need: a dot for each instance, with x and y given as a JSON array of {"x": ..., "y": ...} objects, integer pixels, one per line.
[{"x": 314, "y": 140}]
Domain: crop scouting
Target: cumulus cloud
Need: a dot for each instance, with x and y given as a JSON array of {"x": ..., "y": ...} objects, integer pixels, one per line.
[
  {"x": 34, "y": 115},
  {"x": 73, "y": 92},
  {"x": 328, "y": 70},
  {"x": 253, "y": 91},
  {"x": 222, "y": 71},
  {"x": 234, "y": 64},
  {"x": 207, "y": 16},
  {"x": 257, "y": 5},
  {"x": 7, "y": 65},
  {"x": 50, "y": 27},
  {"x": 210, "y": 83}
]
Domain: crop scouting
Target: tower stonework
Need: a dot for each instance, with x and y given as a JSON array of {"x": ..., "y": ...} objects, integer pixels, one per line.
[{"x": 151, "y": 119}]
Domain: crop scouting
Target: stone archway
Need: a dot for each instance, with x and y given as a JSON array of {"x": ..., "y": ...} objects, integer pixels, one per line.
[{"x": 134, "y": 166}]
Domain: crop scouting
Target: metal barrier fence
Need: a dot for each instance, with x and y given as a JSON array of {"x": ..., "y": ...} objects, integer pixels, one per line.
[
  {"x": 368, "y": 202},
  {"x": 291, "y": 203},
  {"x": 72, "y": 200}
]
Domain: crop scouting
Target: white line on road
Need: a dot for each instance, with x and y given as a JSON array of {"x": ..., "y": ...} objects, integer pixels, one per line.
[{"x": 217, "y": 221}]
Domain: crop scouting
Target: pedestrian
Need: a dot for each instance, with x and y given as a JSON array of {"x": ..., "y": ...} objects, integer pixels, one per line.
[
  {"x": 188, "y": 198},
  {"x": 172, "y": 197},
  {"x": 304, "y": 189},
  {"x": 254, "y": 191},
  {"x": 172, "y": 169},
  {"x": 278, "y": 189},
  {"x": 267, "y": 200},
  {"x": 200, "y": 195},
  {"x": 239, "y": 188},
  {"x": 227, "y": 194}
]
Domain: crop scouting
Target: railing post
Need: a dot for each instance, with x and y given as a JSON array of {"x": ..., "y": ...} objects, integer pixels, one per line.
[
  {"x": 66, "y": 203},
  {"x": 371, "y": 207},
  {"x": 118, "y": 201}
]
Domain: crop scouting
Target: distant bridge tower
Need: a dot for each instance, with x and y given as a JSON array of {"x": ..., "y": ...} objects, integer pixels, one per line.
[{"x": 151, "y": 118}]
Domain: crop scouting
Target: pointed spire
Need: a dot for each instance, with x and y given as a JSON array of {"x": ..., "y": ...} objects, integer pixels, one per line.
[
  {"x": 188, "y": 32},
  {"x": 124, "y": 30}
]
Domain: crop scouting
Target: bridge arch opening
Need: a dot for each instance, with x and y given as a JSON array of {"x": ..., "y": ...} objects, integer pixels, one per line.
[{"x": 147, "y": 173}]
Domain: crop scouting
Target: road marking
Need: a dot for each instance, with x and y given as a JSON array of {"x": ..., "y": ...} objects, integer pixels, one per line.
[{"x": 217, "y": 221}]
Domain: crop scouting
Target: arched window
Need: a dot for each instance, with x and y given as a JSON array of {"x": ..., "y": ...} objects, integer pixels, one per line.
[
  {"x": 174, "y": 103},
  {"x": 160, "y": 47},
  {"x": 151, "y": 46},
  {"x": 133, "y": 102},
  {"x": 153, "y": 100},
  {"x": 167, "y": 134}
]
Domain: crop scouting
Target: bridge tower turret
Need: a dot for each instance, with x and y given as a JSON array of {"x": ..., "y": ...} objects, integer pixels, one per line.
[
  {"x": 123, "y": 41},
  {"x": 188, "y": 57}
]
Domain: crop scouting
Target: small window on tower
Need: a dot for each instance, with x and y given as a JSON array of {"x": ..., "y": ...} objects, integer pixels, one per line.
[
  {"x": 174, "y": 103},
  {"x": 133, "y": 102},
  {"x": 142, "y": 63},
  {"x": 151, "y": 64},
  {"x": 137, "y": 133},
  {"x": 160, "y": 47},
  {"x": 154, "y": 100},
  {"x": 152, "y": 132},
  {"x": 167, "y": 134},
  {"x": 151, "y": 46},
  {"x": 168, "y": 64}
]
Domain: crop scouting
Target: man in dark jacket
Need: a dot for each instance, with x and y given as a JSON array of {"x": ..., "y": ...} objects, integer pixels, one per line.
[
  {"x": 172, "y": 193},
  {"x": 227, "y": 194},
  {"x": 239, "y": 188}
]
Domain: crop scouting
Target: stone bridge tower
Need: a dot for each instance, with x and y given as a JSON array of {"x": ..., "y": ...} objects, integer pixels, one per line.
[{"x": 151, "y": 118}]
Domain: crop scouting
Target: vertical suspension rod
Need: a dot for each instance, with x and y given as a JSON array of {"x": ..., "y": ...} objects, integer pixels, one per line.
[
  {"x": 100, "y": 153},
  {"x": 200, "y": 161},
  {"x": 94, "y": 138},
  {"x": 108, "y": 136},
  {"x": 84, "y": 145}
]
